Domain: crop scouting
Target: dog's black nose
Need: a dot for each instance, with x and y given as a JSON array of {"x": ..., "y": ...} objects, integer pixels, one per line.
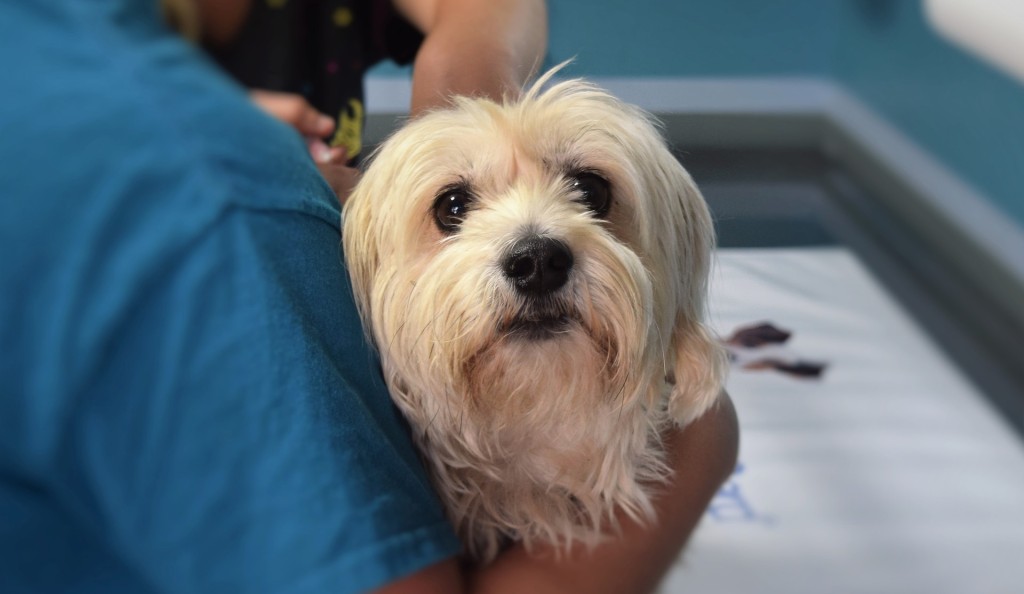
[{"x": 538, "y": 265}]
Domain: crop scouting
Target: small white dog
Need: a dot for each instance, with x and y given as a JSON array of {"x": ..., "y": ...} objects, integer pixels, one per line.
[{"x": 534, "y": 276}]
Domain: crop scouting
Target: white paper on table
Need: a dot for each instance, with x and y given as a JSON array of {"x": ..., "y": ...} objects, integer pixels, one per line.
[{"x": 891, "y": 473}]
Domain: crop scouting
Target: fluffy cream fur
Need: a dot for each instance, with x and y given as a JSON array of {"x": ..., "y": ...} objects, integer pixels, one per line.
[{"x": 538, "y": 441}]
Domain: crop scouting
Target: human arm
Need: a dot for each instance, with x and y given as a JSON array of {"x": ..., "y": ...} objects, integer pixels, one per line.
[
  {"x": 473, "y": 47},
  {"x": 704, "y": 454}
]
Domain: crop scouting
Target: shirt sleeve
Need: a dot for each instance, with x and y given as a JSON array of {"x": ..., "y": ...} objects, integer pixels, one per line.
[{"x": 238, "y": 436}]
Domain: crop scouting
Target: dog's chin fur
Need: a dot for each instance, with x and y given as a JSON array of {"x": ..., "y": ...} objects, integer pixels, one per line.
[{"x": 539, "y": 418}]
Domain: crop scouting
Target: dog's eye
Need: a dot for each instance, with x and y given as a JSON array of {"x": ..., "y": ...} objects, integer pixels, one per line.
[
  {"x": 451, "y": 207},
  {"x": 594, "y": 192}
]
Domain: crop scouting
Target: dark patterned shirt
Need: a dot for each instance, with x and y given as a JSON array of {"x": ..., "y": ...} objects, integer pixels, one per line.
[{"x": 320, "y": 49}]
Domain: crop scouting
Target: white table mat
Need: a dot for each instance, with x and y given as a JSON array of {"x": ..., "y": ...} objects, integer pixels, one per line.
[{"x": 890, "y": 473}]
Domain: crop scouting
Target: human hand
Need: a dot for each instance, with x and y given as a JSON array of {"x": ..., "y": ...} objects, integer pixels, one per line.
[
  {"x": 295, "y": 111},
  {"x": 313, "y": 125}
]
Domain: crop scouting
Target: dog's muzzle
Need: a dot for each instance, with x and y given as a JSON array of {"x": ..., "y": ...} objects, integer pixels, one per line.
[{"x": 538, "y": 266}]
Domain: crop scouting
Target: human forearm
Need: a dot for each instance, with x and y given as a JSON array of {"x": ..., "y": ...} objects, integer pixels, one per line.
[
  {"x": 635, "y": 561},
  {"x": 472, "y": 47}
]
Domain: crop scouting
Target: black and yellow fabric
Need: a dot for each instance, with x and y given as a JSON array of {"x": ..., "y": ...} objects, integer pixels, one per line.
[{"x": 320, "y": 49}]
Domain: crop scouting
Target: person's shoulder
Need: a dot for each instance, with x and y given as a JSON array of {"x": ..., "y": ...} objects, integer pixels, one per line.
[
  {"x": 211, "y": 128},
  {"x": 122, "y": 151}
]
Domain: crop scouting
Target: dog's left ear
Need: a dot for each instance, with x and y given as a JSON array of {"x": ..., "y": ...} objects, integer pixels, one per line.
[{"x": 695, "y": 360}]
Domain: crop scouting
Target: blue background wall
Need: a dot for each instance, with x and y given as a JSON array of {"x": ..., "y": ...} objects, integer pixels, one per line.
[
  {"x": 691, "y": 37},
  {"x": 966, "y": 114}
]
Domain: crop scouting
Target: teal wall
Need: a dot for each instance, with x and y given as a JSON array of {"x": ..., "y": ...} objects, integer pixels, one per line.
[
  {"x": 686, "y": 37},
  {"x": 966, "y": 114},
  {"x": 690, "y": 37}
]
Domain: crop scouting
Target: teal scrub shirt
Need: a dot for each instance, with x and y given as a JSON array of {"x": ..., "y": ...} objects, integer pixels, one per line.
[{"x": 187, "y": 403}]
